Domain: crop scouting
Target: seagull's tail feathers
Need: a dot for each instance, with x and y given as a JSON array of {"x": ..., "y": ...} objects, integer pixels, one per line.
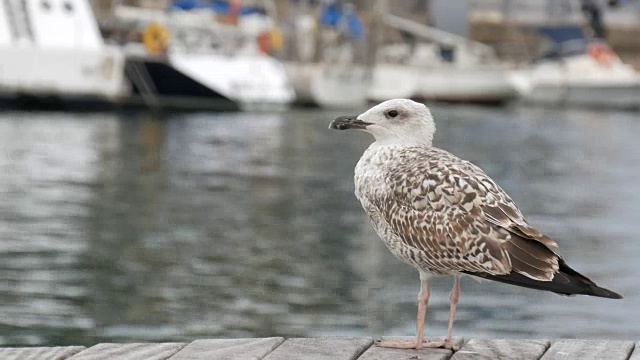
[{"x": 565, "y": 282}]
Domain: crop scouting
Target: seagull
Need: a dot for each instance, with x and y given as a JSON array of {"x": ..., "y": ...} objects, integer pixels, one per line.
[{"x": 445, "y": 216}]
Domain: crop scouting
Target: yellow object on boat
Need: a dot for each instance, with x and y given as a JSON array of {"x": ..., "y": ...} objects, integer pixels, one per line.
[
  {"x": 156, "y": 38},
  {"x": 270, "y": 41}
]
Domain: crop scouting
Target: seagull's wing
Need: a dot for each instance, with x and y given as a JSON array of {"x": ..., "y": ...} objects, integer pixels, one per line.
[
  {"x": 458, "y": 219},
  {"x": 461, "y": 219}
]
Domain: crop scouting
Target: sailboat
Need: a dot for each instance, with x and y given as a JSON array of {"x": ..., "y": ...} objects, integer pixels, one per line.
[{"x": 438, "y": 66}]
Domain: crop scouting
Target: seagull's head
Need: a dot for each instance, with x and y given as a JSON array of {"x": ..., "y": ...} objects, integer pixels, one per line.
[{"x": 399, "y": 120}]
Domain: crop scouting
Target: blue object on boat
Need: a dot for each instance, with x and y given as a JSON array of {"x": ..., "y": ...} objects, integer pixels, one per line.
[
  {"x": 565, "y": 41},
  {"x": 219, "y": 7},
  {"x": 354, "y": 26},
  {"x": 330, "y": 15},
  {"x": 186, "y": 5},
  {"x": 560, "y": 34}
]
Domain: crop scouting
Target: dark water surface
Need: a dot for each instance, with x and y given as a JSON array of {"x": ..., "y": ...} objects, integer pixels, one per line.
[{"x": 129, "y": 227}]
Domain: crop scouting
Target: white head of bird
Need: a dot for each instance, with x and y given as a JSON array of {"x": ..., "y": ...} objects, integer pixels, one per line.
[{"x": 397, "y": 121}]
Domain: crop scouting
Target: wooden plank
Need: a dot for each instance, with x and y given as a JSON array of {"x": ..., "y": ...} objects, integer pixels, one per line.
[
  {"x": 228, "y": 349},
  {"x": 134, "y": 351},
  {"x": 40, "y": 353},
  {"x": 636, "y": 353},
  {"x": 320, "y": 349},
  {"x": 379, "y": 353},
  {"x": 502, "y": 349},
  {"x": 589, "y": 350}
]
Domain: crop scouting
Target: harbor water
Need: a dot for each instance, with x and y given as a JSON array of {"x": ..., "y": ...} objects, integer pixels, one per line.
[{"x": 139, "y": 227}]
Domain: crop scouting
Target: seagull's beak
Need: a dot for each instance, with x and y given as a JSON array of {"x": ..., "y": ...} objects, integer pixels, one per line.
[{"x": 348, "y": 122}]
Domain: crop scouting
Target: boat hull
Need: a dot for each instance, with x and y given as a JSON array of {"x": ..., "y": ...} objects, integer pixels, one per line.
[
  {"x": 251, "y": 81},
  {"x": 208, "y": 81},
  {"x": 329, "y": 86},
  {"x": 579, "y": 81},
  {"x": 589, "y": 95},
  {"x": 483, "y": 85},
  {"x": 69, "y": 77},
  {"x": 157, "y": 84}
]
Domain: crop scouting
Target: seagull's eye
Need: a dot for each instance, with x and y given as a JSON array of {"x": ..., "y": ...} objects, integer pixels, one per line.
[{"x": 392, "y": 113}]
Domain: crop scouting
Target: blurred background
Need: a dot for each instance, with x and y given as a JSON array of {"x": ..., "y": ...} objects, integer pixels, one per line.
[{"x": 166, "y": 171}]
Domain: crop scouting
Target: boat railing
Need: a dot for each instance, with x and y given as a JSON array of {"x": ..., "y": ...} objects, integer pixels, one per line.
[
  {"x": 465, "y": 50},
  {"x": 432, "y": 34},
  {"x": 191, "y": 31}
]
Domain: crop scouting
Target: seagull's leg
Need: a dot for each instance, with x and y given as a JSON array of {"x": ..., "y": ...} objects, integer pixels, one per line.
[
  {"x": 453, "y": 298},
  {"x": 423, "y": 300}
]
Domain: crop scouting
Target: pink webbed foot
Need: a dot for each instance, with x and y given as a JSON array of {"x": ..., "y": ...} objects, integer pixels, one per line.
[
  {"x": 431, "y": 344},
  {"x": 398, "y": 344},
  {"x": 439, "y": 344}
]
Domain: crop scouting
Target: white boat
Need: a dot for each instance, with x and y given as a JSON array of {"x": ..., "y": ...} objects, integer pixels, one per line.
[
  {"x": 447, "y": 68},
  {"x": 52, "y": 51},
  {"x": 205, "y": 64},
  {"x": 579, "y": 74}
]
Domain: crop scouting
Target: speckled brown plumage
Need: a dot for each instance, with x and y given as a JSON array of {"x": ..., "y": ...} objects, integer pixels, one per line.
[{"x": 444, "y": 215}]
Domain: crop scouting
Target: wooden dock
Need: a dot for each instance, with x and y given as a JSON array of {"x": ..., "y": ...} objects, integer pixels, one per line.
[{"x": 277, "y": 348}]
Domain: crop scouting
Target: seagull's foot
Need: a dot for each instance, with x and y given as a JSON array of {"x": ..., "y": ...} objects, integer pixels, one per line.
[
  {"x": 426, "y": 343},
  {"x": 398, "y": 344},
  {"x": 439, "y": 344}
]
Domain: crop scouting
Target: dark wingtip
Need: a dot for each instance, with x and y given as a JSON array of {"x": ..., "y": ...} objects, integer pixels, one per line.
[
  {"x": 563, "y": 283},
  {"x": 604, "y": 293},
  {"x": 592, "y": 289}
]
